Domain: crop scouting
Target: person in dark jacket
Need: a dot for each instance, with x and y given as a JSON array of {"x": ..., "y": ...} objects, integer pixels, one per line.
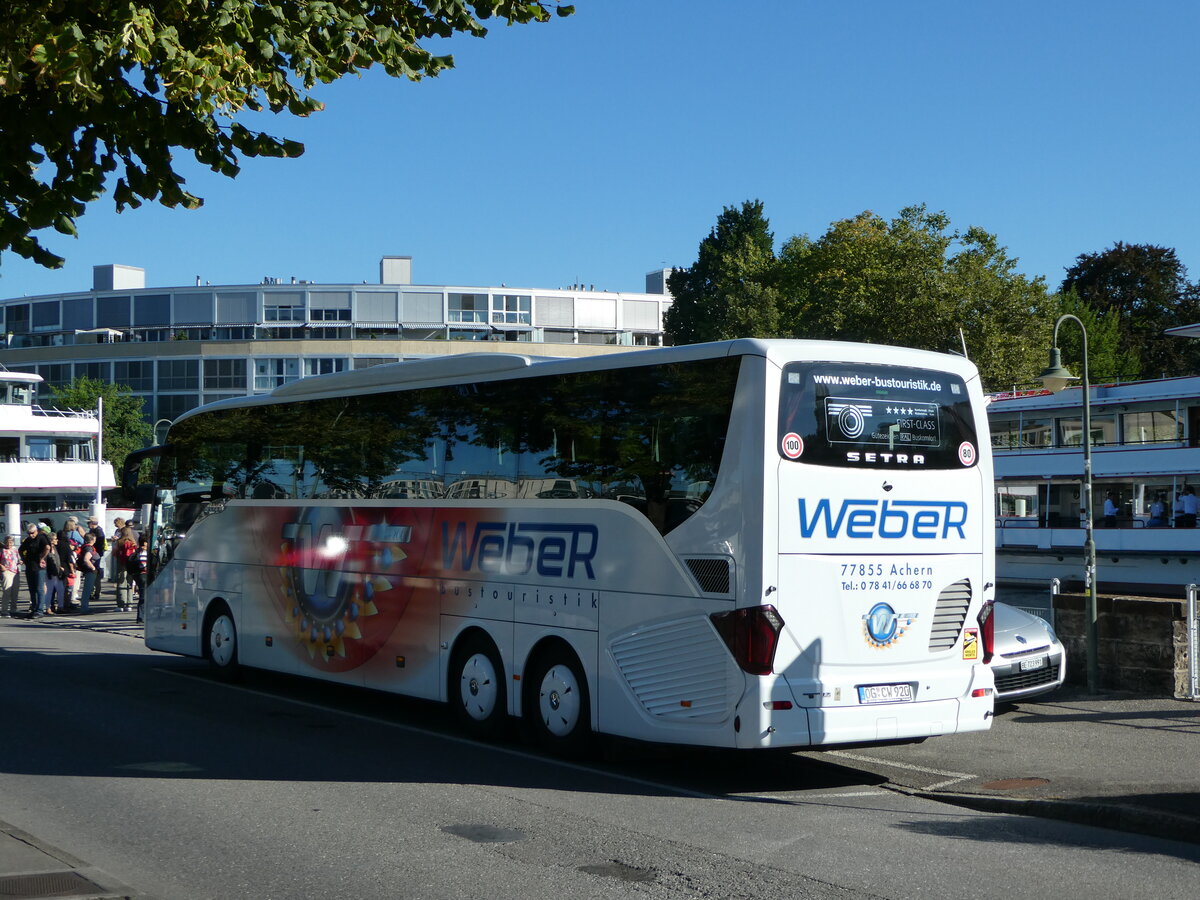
[{"x": 34, "y": 550}]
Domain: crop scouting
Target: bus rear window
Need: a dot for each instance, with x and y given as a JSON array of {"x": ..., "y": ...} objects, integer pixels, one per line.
[{"x": 869, "y": 416}]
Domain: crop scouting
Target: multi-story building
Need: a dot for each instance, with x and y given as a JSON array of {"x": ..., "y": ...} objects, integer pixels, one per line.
[{"x": 182, "y": 346}]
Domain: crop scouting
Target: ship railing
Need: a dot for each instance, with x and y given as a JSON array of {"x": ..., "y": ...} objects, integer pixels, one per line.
[{"x": 63, "y": 413}]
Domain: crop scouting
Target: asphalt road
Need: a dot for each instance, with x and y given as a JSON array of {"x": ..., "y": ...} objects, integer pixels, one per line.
[{"x": 141, "y": 770}]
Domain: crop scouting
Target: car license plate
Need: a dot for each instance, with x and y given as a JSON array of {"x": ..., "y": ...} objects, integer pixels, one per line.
[
  {"x": 1037, "y": 662},
  {"x": 885, "y": 693}
]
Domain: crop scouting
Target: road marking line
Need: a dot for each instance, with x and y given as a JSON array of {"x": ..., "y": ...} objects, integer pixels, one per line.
[{"x": 951, "y": 777}]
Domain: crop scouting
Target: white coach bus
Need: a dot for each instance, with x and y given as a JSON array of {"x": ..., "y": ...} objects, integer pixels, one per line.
[{"x": 760, "y": 543}]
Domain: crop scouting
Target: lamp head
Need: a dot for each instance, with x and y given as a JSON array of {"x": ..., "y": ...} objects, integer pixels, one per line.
[{"x": 1055, "y": 376}]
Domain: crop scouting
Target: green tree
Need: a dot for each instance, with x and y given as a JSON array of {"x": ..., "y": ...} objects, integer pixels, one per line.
[
  {"x": 96, "y": 90},
  {"x": 727, "y": 293},
  {"x": 1107, "y": 359},
  {"x": 124, "y": 428},
  {"x": 914, "y": 282},
  {"x": 1145, "y": 288}
]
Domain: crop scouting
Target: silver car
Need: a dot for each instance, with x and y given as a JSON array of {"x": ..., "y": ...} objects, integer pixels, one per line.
[{"x": 1028, "y": 659}]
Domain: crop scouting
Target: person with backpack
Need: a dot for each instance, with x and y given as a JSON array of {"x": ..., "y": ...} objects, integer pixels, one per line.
[{"x": 124, "y": 550}]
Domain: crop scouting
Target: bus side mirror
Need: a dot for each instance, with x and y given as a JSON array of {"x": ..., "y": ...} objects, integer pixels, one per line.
[{"x": 133, "y": 465}]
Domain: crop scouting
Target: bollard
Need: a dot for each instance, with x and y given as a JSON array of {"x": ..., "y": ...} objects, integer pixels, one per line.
[
  {"x": 1193, "y": 630},
  {"x": 1055, "y": 587}
]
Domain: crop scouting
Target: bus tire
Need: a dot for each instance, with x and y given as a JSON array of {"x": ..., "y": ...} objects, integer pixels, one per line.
[
  {"x": 477, "y": 687},
  {"x": 558, "y": 707},
  {"x": 221, "y": 643}
]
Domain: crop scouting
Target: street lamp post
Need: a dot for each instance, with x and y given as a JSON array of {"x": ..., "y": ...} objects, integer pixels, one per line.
[
  {"x": 155, "y": 430},
  {"x": 1055, "y": 378}
]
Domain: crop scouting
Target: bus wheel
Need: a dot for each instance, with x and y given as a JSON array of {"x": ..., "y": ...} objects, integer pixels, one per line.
[
  {"x": 220, "y": 642},
  {"x": 558, "y": 710},
  {"x": 477, "y": 688}
]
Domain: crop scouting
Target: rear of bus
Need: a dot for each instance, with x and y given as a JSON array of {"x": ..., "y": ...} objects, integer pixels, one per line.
[{"x": 881, "y": 472}]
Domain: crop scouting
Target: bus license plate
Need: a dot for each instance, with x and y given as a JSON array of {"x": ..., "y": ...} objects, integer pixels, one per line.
[
  {"x": 1038, "y": 662},
  {"x": 885, "y": 693}
]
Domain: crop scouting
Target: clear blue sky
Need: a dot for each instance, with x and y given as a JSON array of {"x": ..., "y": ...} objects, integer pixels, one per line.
[{"x": 602, "y": 146}]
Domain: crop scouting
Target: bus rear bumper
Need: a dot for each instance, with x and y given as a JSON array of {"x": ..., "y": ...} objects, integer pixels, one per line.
[
  {"x": 815, "y": 726},
  {"x": 898, "y": 722}
]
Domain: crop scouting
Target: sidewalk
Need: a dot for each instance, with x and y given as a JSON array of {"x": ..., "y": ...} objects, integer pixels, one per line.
[
  {"x": 1118, "y": 761},
  {"x": 104, "y": 616}
]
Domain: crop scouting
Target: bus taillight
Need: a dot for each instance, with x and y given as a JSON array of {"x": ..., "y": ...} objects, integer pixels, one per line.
[
  {"x": 987, "y": 630},
  {"x": 751, "y": 635}
]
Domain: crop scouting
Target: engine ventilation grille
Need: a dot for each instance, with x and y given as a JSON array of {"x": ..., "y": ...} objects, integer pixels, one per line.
[
  {"x": 948, "y": 618},
  {"x": 712, "y": 573},
  {"x": 678, "y": 670}
]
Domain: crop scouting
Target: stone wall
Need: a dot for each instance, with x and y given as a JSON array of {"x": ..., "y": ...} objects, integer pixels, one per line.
[{"x": 1142, "y": 642}]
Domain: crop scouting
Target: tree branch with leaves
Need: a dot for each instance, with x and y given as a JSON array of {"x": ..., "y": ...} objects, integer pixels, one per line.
[{"x": 100, "y": 93}]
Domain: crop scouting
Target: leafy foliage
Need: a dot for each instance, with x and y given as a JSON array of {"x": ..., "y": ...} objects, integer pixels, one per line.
[
  {"x": 92, "y": 90},
  {"x": 1107, "y": 360},
  {"x": 1145, "y": 289},
  {"x": 911, "y": 281},
  {"x": 124, "y": 428},
  {"x": 727, "y": 293}
]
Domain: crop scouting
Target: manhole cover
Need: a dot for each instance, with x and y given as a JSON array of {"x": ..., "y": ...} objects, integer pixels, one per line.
[
  {"x": 1015, "y": 784},
  {"x": 485, "y": 834}
]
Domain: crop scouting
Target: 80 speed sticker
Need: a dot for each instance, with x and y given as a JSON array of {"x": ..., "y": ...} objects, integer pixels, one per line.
[{"x": 966, "y": 453}]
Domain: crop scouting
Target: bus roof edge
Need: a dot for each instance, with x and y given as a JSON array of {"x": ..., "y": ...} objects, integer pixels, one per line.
[{"x": 455, "y": 366}]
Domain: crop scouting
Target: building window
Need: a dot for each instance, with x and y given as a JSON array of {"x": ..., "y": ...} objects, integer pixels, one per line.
[
  {"x": 1006, "y": 433},
  {"x": 47, "y": 316},
  {"x": 172, "y": 406},
  {"x": 325, "y": 365},
  {"x": 1151, "y": 426},
  {"x": 55, "y": 375},
  {"x": 233, "y": 333},
  {"x": 137, "y": 376},
  {"x": 271, "y": 373},
  {"x": 1037, "y": 433},
  {"x": 467, "y": 334},
  {"x": 330, "y": 315},
  {"x": 178, "y": 375},
  {"x": 98, "y": 371},
  {"x": 112, "y": 312},
  {"x": 468, "y": 307},
  {"x": 224, "y": 375},
  {"x": 1104, "y": 431},
  {"x": 369, "y": 362},
  {"x": 511, "y": 309},
  {"x": 591, "y": 337},
  {"x": 316, "y": 333},
  {"x": 283, "y": 312},
  {"x": 152, "y": 309},
  {"x": 16, "y": 319}
]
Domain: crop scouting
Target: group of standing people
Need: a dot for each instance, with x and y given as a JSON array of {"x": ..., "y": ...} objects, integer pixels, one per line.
[
  {"x": 1182, "y": 514},
  {"x": 64, "y": 570}
]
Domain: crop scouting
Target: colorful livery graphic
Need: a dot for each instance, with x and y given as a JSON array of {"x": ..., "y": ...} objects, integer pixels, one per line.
[{"x": 745, "y": 544}]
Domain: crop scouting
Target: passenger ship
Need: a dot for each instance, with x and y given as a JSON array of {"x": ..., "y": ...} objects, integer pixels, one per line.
[
  {"x": 48, "y": 465},
  {"x": 1145, "y": 444}
]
